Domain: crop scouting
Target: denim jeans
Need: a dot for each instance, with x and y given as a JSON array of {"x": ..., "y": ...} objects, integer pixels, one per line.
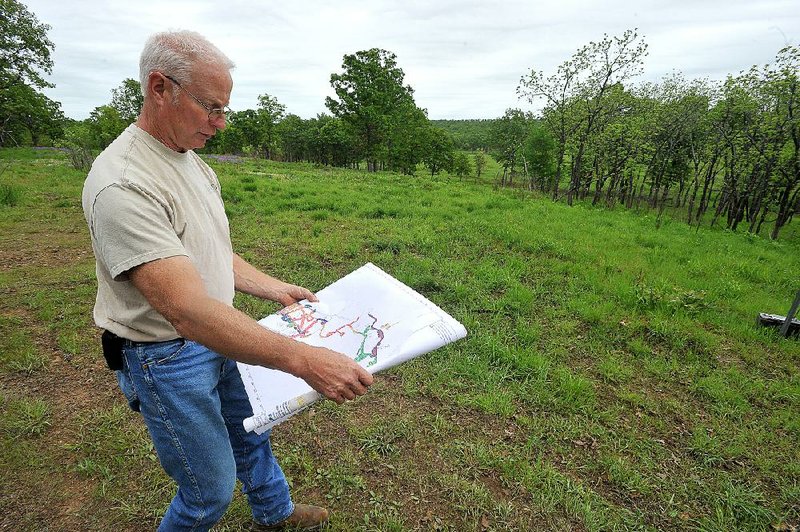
[{"x": 193, "y": 403}]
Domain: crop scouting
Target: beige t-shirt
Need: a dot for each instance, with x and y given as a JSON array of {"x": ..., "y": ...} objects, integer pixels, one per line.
[{"x": 144, "y": 202}]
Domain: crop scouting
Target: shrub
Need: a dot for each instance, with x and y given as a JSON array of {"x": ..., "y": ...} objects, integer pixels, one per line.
[{"x": 77, "y": 142}]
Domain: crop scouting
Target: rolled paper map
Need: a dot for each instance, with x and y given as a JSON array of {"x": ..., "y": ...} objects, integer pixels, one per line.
[
  {"x": 367, "y": 315},
  {"x": 263, "y": 422}
]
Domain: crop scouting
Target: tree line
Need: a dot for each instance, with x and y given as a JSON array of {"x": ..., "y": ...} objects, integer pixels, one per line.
[
  {"x": 726, "y": 152},
  {"x": 373, "y": 123},
  {"x": 721, "y": 152}
]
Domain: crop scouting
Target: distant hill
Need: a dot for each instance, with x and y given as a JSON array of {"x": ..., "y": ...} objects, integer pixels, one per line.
[{"x": 468, "y": 134}]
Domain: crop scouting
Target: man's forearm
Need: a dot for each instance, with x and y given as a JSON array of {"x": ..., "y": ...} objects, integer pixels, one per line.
[
  {"x": 229, "y": 331},
  {"x": 250, "y": 280}
]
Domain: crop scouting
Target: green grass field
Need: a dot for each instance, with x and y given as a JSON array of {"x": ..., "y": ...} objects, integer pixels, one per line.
[{"x": 613, "y": 376}]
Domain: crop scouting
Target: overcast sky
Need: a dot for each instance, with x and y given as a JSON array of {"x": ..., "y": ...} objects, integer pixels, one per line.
[{"x": 463, "y": 58}]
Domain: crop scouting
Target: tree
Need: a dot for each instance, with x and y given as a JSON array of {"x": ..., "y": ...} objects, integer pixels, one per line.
[
  {"x": 759, "y": 129},
  {"x": 461, "y": 165},
  {"x": 480, "y": 163},
  {"x": 439, "y": 151},
  {"x": 332, "y": 142},
  {"x": 672, "y": 114},
  {"x": 540, "y": 154},
  {"x": 294, "y": 138},
  {"x": 369, "y": 93},
  {"x": 24, "y": 46},
  {"x": 783, "y": 83},
  {"x": 468, "y": 135},
  {"x": 406, "y": 138},
  {"x": 577, "y": 95},
  {"x": 508, "y": 135},
  {"x": 25, "y": 113},
  {"x": 269, "y": 113},
  {"x": 127, "y": 99},
  {"x": 28, "y": 116},
  {"x": 105, "y": 124},
  {"x": 244, "y": 128},
  {"x": 78, "y": 142}
]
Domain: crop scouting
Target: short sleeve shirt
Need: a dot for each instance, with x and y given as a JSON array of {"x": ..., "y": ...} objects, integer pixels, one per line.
[{"x": 144, "y": 202}]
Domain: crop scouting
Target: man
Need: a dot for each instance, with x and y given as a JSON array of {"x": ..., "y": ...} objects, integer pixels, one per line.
[{"x": 166, "y": 279}]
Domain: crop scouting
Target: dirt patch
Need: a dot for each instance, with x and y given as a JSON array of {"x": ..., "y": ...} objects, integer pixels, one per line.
[{"x": 68, "y": 388}]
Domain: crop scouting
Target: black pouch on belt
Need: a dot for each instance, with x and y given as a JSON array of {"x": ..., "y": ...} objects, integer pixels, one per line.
[{"x": 112, "y": 350}]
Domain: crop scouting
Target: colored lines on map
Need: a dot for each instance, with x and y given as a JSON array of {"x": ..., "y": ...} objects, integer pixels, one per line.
[
  {"x": 373, "y": 354},
  {"x": 302, "y": 318}
]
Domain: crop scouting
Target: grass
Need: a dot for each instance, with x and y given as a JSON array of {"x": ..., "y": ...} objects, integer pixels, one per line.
[
  {"x": 613, "y": 376},
  {"x": 9, "y": 195}
]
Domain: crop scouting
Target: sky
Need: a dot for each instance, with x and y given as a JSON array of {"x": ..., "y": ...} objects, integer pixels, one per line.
[{"x": 463, "y": 58}]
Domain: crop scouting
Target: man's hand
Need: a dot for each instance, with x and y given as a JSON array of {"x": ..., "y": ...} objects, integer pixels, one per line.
[
  {"x": 334, "y": 375},
  {"x": 249, "y": 280},
  {"x": 287, "y": 294}
]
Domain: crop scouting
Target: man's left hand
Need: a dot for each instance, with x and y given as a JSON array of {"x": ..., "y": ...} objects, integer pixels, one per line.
[{"x": 287, "y": 294}]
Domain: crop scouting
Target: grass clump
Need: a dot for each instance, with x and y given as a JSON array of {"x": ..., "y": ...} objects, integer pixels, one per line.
[
  {"x": 26, "y": 417},
  {"x": 10, "y": 195}
]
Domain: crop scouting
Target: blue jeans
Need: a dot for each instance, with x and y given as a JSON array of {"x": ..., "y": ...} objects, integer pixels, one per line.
[{"x": 193, "y": 403}]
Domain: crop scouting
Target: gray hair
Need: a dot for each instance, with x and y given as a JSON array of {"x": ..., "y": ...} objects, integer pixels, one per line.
[{"x": 175, "y": 53}]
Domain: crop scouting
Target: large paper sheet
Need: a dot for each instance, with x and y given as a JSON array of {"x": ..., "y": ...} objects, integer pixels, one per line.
[{"x": 368, "y": 315}]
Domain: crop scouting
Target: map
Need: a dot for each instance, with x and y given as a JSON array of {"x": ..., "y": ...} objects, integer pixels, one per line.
[{"x": 369, "y": 316}]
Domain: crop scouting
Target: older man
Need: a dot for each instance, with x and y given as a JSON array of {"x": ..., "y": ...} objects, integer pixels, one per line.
[{"x": 166, "y": 278}]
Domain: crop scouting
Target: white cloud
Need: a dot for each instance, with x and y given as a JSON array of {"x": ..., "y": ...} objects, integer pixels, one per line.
[{"x": 463, "y": 58}]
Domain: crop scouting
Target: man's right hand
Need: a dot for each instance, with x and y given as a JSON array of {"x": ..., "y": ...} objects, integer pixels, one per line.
[{"x": 334, "y": 375}]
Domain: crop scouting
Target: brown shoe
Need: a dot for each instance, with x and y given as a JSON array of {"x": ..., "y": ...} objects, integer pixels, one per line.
[{"x": 304, "y": 517}]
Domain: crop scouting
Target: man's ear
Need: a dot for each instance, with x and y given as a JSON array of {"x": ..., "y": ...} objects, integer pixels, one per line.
[{"x": 157, "y": 88}]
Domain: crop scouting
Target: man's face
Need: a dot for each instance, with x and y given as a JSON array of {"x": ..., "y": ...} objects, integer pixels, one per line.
[{"x": 190, "y": 124}]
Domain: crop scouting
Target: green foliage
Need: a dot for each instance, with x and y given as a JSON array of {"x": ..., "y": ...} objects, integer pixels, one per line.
[
  {"x": 374, "y": 104},
  {"x": 79, "y": 143},
  {"x": 105, "y": 124},
  {"x": 24, "y": 46},
  {"x": 439, "y": 152},
  {"x": 508, "y": 136},
  {"x": 468, "y": 135},
  {"x": 269, "y": 113},
  {"x": 295, "y": 136},
  {"x": 480, "y": 163},
  {"x": 540, "y": 156},
  {"x": 461, "y": 165},
  {"x": 26, "y": 115},
  {"x": 127, "y": 99},
  {"x": 675, "y": 144},
  {"x": 256, "y": 131},
  {"x": 582, "y": 95}
]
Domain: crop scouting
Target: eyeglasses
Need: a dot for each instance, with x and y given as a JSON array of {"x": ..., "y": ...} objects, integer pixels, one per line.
[{"x": 213, "y": 112}]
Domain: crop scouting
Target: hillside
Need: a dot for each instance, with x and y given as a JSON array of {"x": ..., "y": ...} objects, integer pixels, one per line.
[{"x": 467, "y": 134}]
